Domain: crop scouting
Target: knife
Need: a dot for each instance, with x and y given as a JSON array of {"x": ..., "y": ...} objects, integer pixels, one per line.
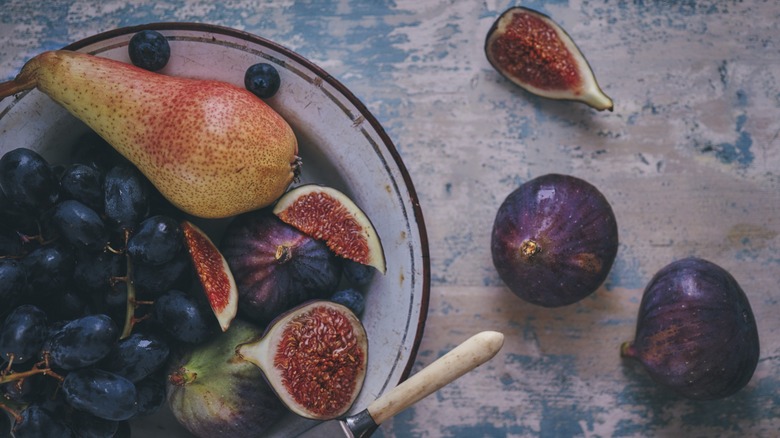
[{"x": 472, "y": 353}]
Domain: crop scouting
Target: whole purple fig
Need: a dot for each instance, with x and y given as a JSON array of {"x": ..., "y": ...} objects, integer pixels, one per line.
[
  {"x": 695, "y": 332},
  {"x": 276, "y": 267},
  {"x": 554, "y": 240}
]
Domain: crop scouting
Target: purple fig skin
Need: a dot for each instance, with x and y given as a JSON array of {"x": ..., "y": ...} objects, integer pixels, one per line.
[
  {"x": 554, "y": 240},
  {"x": 696, "y": 333},
  {"x": 275, "y": 266}
]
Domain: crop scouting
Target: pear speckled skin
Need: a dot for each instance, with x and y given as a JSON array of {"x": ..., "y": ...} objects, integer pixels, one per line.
[{"x": 213, "y": 149}]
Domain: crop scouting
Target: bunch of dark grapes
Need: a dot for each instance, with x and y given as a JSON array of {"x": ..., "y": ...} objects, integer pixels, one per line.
[{"x": 96, "y": 293}]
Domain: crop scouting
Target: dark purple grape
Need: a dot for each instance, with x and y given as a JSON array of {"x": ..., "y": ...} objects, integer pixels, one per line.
[
  {"x": 125, "y": 197},
  {"x": 151, "y": 395},
  {"x": 49, "y": 270},
  {"x": 82, "y": 342},
  {"x": 183, "y": 318},
  {"x": 124, "y": 430},
  {"x": 83, "y": 183},
  {"x": 695, "y": 332},
  {"x": 137, "y": 356},
  {"x": 94, "y": 271},
  {"x": 357, "y": 274},
  {"x": 156, "y": 240},
  {"x": 13, "y": 282},
  {"x": 14, "y": 218},
  {"x": 67, "y": 306},
  {"x": 80, "y": 225},
  {"x": 151, "y": 281},
  {"x": 5, "y": 425},
  {"x": 94, "y": 151},
  {"x": 11, "y": 244},
  {"x": 27, "y": 180},
  {"x": 25, "y": 390},
  {"x": 22, "y": 334},
  {"x": 37, "y": 422},
  {"x": 350, "y": 298},
  {"x": 149, "y": 50},
  {"x": 100, "y": 393},
  {"x": 554, "y": 240},
  {"x": 86, "y": 425},
  {"x": 262, "y": 80}
]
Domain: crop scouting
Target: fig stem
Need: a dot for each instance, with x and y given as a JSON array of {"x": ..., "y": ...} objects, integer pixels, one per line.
[
  {"x": 627, "y": 350},
  {"x": 529, "y": 248}
]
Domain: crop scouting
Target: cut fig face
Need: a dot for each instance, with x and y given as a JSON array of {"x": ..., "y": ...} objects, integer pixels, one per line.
[
  {"x": 535, "y": 53},
  {"x": 314, "y": 357},
  {"x": 328, "y": 214},
  {"x": 214, "y": 274}
]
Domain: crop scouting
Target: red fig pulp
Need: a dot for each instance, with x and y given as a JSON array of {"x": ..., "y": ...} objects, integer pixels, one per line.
[
  {"x": 535, "y": 53},
  {"x": 695, "y": 332},
  {"x": 315, "y": 357}
]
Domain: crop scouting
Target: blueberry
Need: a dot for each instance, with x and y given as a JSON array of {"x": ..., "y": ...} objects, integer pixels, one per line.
[
  {"x": 358, "y": 274},
  {"x": 351, "y": 299},
  {"x": 149, "y": 50},
  {"x": 262, "y": 80}
]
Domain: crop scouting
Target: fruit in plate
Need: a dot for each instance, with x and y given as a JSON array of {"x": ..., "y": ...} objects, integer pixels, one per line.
[
  {"x": 214, "y": 274},
  {"x": 213, "y": 393},
  {"x": 695, "y": 333},
  {"x": 554, "y": 240},
  {"x": 211, "y": 148},
  {"x": 276, "y": 266},
  {"x": 149, "y": 50},
  {"x": 535, "y": 53},
  {"x": 314, "y": 356},
  {"x": 328, "y": 214}
]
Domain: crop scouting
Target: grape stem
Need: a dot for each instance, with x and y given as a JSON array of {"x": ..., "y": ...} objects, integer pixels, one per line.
[
  {"x": 36, "y": 369},
  {"x": 131, "y": 303}
]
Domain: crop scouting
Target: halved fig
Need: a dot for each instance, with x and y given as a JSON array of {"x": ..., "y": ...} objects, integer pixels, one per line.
[
  {"x": 314, "y": 357},
  {"x": 328, "y": 214},
  {"x": 535, "y": 53},
  {"x": 213, "y": 272},
  {"x": 276, "y": 266}
]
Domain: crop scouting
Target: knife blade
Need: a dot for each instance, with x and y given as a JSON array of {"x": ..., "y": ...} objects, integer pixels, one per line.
[{"x": 470, "y": 354}]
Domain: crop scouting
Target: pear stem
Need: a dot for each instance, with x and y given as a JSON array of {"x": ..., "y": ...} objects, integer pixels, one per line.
[{"x": 12, "y": 87}]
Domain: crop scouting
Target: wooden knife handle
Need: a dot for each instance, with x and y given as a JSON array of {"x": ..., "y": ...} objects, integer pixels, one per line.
[{"x": 472, "y": 353}]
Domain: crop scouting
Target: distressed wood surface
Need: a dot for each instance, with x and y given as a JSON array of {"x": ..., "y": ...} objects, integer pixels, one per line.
[{"x": 689, "y": 160}]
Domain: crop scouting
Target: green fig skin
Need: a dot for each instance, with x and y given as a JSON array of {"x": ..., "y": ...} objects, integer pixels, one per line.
[{"x": 212, "y": 392}]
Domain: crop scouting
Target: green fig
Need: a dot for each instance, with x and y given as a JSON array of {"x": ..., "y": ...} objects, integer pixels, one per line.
[
  {"x": 211, "y": 148},
  {"x": 212, "y": 392}
]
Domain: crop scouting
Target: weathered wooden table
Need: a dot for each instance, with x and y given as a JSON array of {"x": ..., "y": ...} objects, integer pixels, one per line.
[{"x": 689, "y": 159}]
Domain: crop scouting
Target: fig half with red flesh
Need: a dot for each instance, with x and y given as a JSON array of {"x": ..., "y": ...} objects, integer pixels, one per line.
[
  {"x": 276, "y": 266},
  {"x": 535, "y": 53},
  {"x": 554, "y": 240},
  {"x": 315, "y": 357},
  {"x": 213, "y": 272},
  {"x": 695, "y": 332},
  {"x": 329, "y": 215}
]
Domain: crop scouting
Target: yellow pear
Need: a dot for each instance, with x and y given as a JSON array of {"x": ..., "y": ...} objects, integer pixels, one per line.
[{"x": 211, "y": 148}]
